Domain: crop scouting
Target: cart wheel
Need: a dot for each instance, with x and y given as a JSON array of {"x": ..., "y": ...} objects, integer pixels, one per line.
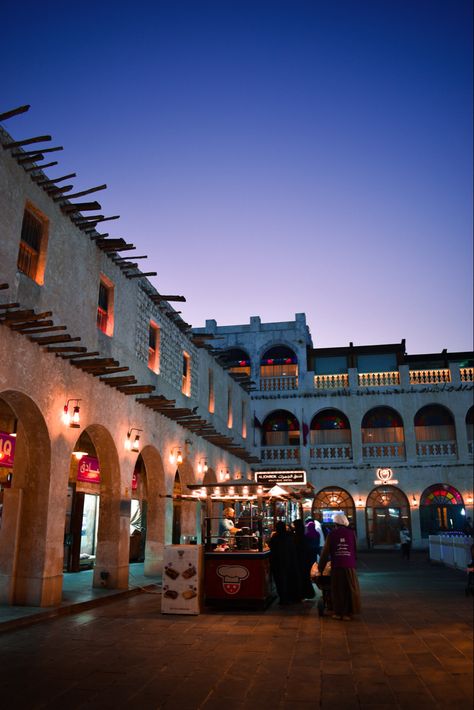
[{"x": 321, "y": 607}]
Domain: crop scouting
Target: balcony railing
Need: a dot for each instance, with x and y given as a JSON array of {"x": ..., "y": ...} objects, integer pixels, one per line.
[
  {"x": 436, "y": 449},
  {"x": 278, "y": 384},
  {"x": 466, "y": 374},
  {"x": 379, "y": 379},
  {"x": 383, "y": 451},
  {"x": 331, "y": 452},
  {"x": 280, "y": 453},
  {"x": 331, "y": 382},
  {"x": 430, "y": 377}
]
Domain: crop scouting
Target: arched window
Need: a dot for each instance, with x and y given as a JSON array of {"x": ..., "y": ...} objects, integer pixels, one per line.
[
  {"x": 330, "y": 501},
  {"x": 470, "y": 429},
  {"x": 279, "y": 361},
  {"x": 237, "y": 360},
  {"x": 441, "y": 509},
  {"x": 387, "y": 509},
  {"x": 330, "y": 427},
  {"x": 281, "y": 428},
  {"x": 434, "y": 423},
  {"x": 381, "y": 425}
]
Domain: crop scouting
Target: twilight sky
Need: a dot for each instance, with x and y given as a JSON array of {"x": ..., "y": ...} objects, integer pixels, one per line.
[{"x": 270, "y": 156}]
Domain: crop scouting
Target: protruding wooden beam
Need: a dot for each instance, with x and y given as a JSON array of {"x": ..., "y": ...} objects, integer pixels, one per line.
[
  {"x": 49, "y": 340},
  {"x": 88, "y": 192},
  {"x": 41, "y": 181},
  {"x": 157, "y": 298},
  {"x": 119, "y": 259},
  {"x": 95, "y": 362},
  {"x": 4, "y": 286},
  {"x": 136, "y": 389},
  {"x": 32, "y": 153},
  {"x": 80, "y": 207},
  {"x": 45, "y": 329},
  {"x": 141, "y": 276},
  {"x": 76, "y": 349},
  {"x": 32, "y": 168},
  {"x": 9, "y": 305},
  {"x": 14, "y": 112},
  {"x": 53, "y": 190},
  {"x": 26, "y": 141},
  {"x": 26, "y": 316},
  {"x": 114, "y": 381},
  {"x": 113, "y": 370},
  {"x": 73, "y": 353},
  {"x": 31, "y": 323}
]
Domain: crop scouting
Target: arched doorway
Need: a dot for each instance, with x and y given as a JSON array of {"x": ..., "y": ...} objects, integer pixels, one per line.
[
  {"x": 330, "y": 501},
  {"x": 138, "y": 512},
  {"x": 177, "y": 509},
  {"x": 387, "y": 509},
  {"x": 441, "y": 509},
  {"x": 279, "y": 369}
]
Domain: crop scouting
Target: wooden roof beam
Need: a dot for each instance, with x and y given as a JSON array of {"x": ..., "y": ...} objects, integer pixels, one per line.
[
  {"x": 14, "y": 112},
  {"x": 87, "y": 192},
  {"x": 141, "y": 275},
  {"x": 42, "y": 181},
  {"x": 136, "y": 389},
  {"x": 50, "y": 340},
  {"x": 40, "y": 167},
  {"x": 80, "y": 206},
  {"x": 31, "y": 153},
  {"x": 25, "y": 141},
  {"x": 67, "y": 349}
]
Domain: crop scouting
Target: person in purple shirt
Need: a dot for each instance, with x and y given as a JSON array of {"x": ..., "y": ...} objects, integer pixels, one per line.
[{"x": 340, "y": 548}]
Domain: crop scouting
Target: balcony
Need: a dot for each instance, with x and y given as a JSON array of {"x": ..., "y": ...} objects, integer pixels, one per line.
[
  {"x": 436, "y": 449},
  {"x": 383, "y": 451},
  {"x": 430, "y": 377},
  {"x": 278, "y": 384},
  {"x": 379, "y": 379},
  {"x": 331, "y": 382},
  {"x": 331, "y": 452},
  {"x": 280, "y": 454}
]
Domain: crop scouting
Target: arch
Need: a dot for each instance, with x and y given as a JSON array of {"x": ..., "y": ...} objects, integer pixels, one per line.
[
  {"x": 279, "y": 361},
  {"x": 387, "y": 509},
  {"x": 280, "y": 428},
  {"x": 470, "y": 428},
  {"x": 155, "y": 509},
  {"x": 434, "y": 422},
  {"x": 441, "y": 509},
  {"x": 332, "y": 500},
  {"x": 330, "y": 426},
  {"x": 237, "y": 360},
  {"x": 25, "y": 557},
  {"x": 382, "y": 424}
]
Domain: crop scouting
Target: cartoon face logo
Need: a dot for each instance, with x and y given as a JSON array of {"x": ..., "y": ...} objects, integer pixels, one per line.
[{"x": 232, "y": 577}]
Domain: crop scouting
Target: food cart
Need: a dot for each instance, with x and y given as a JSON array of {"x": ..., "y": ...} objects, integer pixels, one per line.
[{"x": 237, "y": 564}]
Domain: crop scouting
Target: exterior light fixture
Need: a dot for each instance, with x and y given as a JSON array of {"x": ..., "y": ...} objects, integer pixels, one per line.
[
  {"x": 260, "y": 490},
  {"x": 176, "y": 455},
  {"x": 414, "y": 501},
  {"x": 135, "y": 444},
  {"x": 71, "y": 415},
  {"x": 202, "y": 466},
  {"x": 469, "y": 500},
  {"x": 360, "y": 502}
]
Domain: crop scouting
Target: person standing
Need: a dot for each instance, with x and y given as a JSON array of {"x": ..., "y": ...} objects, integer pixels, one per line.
[
  {"x": 340, "y": 547},
  {"x": 226, "y": 526},
  {"x": 405, "y": 541},
  {"x": 305, "y": 556},
  {"x": 283, "y": 564}
]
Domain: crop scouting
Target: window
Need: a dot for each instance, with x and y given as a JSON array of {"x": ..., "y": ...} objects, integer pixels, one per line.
[
  {"x": 244, "y": 420},
  {"x": 32, "y": 251},
  {"x": 154, "y": 347},
  {"x": 186, "y": 383},
  {"x": 229, "y": 408},
  {"x": 105, "y": 306},
  {"x": 211, "y": 404}
]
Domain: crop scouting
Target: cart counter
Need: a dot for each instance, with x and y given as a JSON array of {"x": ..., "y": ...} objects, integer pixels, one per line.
[{"x": 238, "y": 579}]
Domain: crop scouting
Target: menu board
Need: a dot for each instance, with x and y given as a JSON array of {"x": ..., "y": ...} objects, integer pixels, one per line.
[{"x": 182, "y": 579}]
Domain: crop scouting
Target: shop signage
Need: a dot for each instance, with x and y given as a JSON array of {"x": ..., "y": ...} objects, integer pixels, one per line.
[
  {"x": 88, "y": 470},
  {"x": 273, "y": 478},
  {"x": 385, "y": 476},
  {"x": 7, "y": 450},
  {"x": 182, "y": 579},
  {"x": 232, "y": 577}
]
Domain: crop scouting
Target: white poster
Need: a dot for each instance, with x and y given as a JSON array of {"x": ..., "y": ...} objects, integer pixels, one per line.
[{"x": 182, "y": 579}]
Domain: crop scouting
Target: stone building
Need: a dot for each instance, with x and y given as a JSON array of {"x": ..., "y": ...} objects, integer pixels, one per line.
[
  {"x": 385, "y": 436},
  {"x": 109, "y": 404}
]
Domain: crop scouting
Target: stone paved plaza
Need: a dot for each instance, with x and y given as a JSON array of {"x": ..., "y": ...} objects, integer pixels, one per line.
[{"x": 411, "y": 648}]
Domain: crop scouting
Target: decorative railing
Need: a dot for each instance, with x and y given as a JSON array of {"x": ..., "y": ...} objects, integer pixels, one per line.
[
  {"x": 331, "y": 382},
  {"x": 383, "y": 451},
  {"x": 379, "y": 379},
  {"x": 430, "y": 377},
  {"x": 331, "y": 452},
  {"x": 466, "y": 374},
  {"x": 280, "y": 453},
  {"x": 277, "y": 384},
  {"x": 434, "y": 449}
]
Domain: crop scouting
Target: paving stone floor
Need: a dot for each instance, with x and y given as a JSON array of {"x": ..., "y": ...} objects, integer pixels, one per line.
[{"x": 412, "y": 647}]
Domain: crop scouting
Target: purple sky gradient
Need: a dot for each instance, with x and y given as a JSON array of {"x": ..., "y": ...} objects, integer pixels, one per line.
[{"x": 270, "y": 157}]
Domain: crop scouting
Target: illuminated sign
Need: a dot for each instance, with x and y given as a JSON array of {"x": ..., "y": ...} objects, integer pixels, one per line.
[
  {"x": 385, "y": 476},
  {"x": 88, "y": 470},
  {"x": 7, "y": 450},
  {"x": 274, "y": 478}
]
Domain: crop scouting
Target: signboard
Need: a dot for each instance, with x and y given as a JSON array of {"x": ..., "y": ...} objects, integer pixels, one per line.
[
  {"x": 88, "y": 470},
  {"x": 182, "y": 579},
  {"x": 7, "y": 450},
  {"x": 273, "y": 478},
  {"x": 385, "y": 476}
]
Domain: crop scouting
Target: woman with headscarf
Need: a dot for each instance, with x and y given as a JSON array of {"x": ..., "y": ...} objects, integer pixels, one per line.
[
  {"x": 340, "y": 547},
  {"x": 283, "y": 564},
  {"x": 313, "y": 538},
  {"x": 305, "y": 556}
]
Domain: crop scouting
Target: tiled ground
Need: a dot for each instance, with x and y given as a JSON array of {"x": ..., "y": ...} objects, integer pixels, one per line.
[{"x": 411, "y": 648}]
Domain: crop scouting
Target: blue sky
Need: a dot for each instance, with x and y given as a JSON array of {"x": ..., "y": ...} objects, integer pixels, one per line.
[{"x": 271, "y": 157}]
